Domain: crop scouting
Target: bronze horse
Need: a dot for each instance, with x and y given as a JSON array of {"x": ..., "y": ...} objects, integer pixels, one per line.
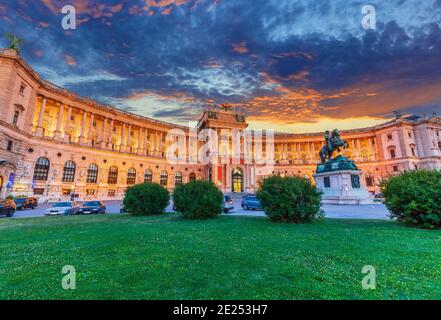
[{"x": 333, "y": 143}]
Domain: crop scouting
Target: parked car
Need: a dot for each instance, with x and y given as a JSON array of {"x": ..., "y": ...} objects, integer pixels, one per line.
[
  {"x": 228, "y": 204},
  {"x": 25, "y": 203},
  {"x": 379, "y": 197},
  {"x": 92, "y": 207},
  {"x": 63, "y": 208},
  {"x": 247, "y": 195},
  {"x": 7, "y": 207},
  {"x": 251, "y": 202}
]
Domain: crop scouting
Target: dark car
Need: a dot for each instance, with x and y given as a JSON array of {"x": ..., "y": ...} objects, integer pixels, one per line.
[
  {"x": 7, "y": 207},
  {"x": 379, "y": 197},
  {"x": 251, "y": 202},
  {"x": 92, "y": 207},
  {"x": 25, "y": 203}
]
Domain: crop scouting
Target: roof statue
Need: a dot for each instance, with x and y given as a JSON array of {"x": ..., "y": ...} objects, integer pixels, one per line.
[{"x": 15, "y": 42}]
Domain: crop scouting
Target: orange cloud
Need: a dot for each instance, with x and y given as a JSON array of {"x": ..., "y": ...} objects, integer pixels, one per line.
[
  {"x": 240, "y": 47},
  {"x": 70, "y": 60},
  {"x": 84, "y": 7}
]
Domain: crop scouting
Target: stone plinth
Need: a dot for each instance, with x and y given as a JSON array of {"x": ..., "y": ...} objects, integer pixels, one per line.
[
  {"x": 340, "y": 182},
  {"x": 342, "y": 187}
]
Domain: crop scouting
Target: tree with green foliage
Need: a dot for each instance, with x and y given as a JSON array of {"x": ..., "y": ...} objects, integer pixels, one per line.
[
  {"x": 146, "y": 199},
  {"x": 414, "y": 198},
  {"x": 198, "y": 200},
  {"x": 289, "y": 199}
]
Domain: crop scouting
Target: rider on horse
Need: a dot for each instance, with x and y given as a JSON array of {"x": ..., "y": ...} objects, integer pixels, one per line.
[{"x": 333, "y": 143}]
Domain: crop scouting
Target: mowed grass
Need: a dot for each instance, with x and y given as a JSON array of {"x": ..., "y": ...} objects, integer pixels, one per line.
[{"x": 165, "y": 257}]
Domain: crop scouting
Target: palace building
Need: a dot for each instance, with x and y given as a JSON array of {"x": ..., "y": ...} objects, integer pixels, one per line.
[{"x": 54, "y": 143}]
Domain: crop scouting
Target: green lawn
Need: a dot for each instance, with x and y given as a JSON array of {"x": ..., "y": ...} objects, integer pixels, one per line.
[{"x": 122, "y": 257}]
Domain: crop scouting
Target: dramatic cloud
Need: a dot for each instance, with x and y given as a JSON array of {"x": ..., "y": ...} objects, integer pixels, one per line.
[{"x": 289, "y": 64}]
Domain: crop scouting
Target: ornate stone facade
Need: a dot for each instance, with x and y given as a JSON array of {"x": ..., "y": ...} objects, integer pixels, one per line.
[{"x": 54, "y": 143}]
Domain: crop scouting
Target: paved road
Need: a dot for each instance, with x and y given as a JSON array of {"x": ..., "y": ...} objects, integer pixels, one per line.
[{"x": 374, "y": 211}]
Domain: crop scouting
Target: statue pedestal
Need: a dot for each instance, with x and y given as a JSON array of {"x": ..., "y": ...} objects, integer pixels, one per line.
[{"x": 340, "y": 182}]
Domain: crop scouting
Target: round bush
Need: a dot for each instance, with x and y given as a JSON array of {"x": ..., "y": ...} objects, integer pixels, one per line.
[
  {"x": 289, "y": 199},
  {"x": 146, "y": 199},
  {"x": 198, "y": 200},
  {"x": 414, "y": 198}
]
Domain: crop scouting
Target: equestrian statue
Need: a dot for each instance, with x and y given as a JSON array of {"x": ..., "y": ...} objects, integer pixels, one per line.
[{"x": 333, "y": 143}]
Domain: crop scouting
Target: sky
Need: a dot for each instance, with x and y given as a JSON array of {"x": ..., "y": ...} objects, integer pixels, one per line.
[{"x": 290, "y": 65}]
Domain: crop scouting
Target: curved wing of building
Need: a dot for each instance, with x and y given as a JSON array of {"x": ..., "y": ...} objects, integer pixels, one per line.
[{"x": 55, "y": 143}]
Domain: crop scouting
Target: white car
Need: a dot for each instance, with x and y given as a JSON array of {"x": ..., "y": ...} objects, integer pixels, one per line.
[{"x": 63, "y": 208}]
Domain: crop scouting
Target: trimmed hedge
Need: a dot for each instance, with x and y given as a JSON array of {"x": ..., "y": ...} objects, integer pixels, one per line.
[
  {"x": 289, "y": 199},
  {"x": 146, "y": 199},
  {"x": 198, "y": 200},
  {"x": 414, "y": 198}
]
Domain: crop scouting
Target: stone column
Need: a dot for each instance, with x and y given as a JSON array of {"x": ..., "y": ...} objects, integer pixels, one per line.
[
  {"x": 359, "y": 148},
  {"x": 89, "y": 134},
  {"x": 67, "y": 127},
  {"x": 354, "y": 151},
  {"x": 110, "y": 135},
  {"x": 155, "y": 143},
  {"x": 103, "y": 138},
  {"x": 370, "y": 149},
  {"x": 58, "y": 132},
  {"x": 83, "y": 128},
  {"x": 308, "y": 152},
  {"x": 294, "y": 151},
  {"x": 129, "y": 136},
  {"x": 140, "y": 141},
  {"x": 147, "y": 145},
  {"x": 123, "y": 138},
  {"x": 160, "y": 143},
  {"x": 39, "y": 131}
]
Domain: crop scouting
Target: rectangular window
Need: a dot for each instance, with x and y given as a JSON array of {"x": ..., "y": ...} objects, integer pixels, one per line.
[
  {"x": 369, "y": 181},
  {"x": 327, "y": 182},
  {"x": 90, "y": 192},
  {"x": 9, "y": 146},
  {"x": 392, "y": 153},
  {"x": 389, "y": 137},
  {"x": 111, "y": 193},
  {"x": 16, "y": 116},
  {"x": 355, "y": 181},
  {"x": 38, "y": 191},
  {"x": 395, "y": 168},
  {"x": 22, "y": 89}
]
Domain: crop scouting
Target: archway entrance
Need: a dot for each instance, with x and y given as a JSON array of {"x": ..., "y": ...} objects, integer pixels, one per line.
[{"x": 237, "y": 180}]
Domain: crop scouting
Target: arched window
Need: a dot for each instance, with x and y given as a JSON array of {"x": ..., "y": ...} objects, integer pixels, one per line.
[
  {"x": 148, "y": 176},
  {"x": 131, "y": 176},
  {"x": 68, "y": 172},
  {"x": 192, "y": 176},
  {"x": 178, "y": 178},
  {"x": 113, "y": 175},
  {"x": 92, "y": 173},
  {"x": 41, "y": 170},
  {"x": 163, "y": 178}
]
